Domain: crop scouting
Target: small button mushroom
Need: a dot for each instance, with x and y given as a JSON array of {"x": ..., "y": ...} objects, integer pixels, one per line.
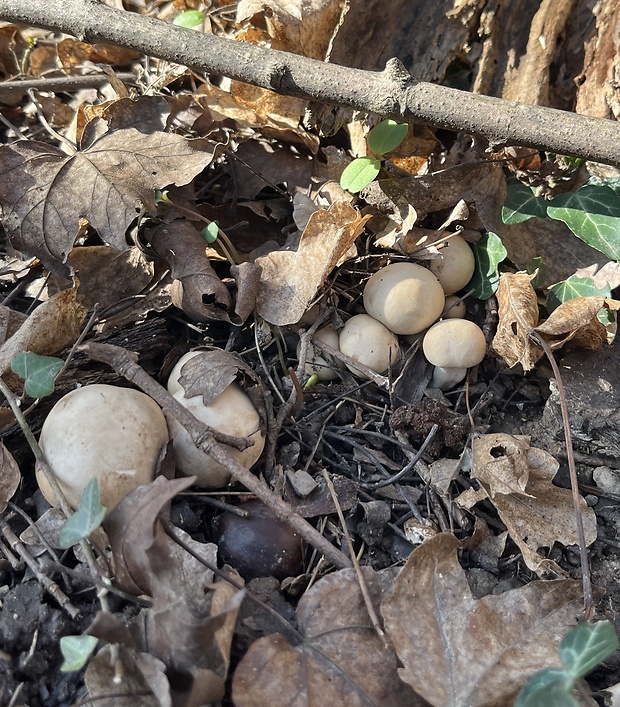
[
  {"x": 366, "y": 340},
  {"x": 453, "y": 344},
  {"x": 405, "y": 297},
  {"x": 259, "y": 545},
  {"x": 446, "y": 378},
  {"x": 456, "y": 266},
  {"x": 105, "y": 432},
  {"x": 232, "y": 412},
  {"x": 454, "y": 308},
  {"x": 318, "y": 364}
]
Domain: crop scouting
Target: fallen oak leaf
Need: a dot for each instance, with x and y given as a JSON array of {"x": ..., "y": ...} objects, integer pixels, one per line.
[{"x": 44, "y": 192}]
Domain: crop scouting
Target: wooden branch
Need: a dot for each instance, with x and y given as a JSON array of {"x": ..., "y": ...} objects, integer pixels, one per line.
[{"x": 391, "y": 93}]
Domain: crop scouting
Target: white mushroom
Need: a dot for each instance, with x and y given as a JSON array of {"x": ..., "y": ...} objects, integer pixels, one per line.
[
  {"x": 105, "y": 432},
  {"x": 405, "y": 297},
  {"x": 454, "y": 308},
  {"x": 366, "y": 340},
  {"x": 318, "y": 364},
  {"x": 456, "y": 266},
  {"x": 453, "y": 344},
  {"x": 232, "y": 412}
]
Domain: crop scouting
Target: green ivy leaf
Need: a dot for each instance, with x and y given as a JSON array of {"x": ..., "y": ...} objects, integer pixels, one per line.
[
  {"x": 489, "y": 252},
  {"x": 572, "y": 288},
  {"x": 593, "y": 214},
  {"x": 359, "y": 174},
  {"x": 548, "y": 688},
  {"x": 611, "y": 182},
  {"x": 210, "y": 232},
  {"x": 190, "y": 18},
  {"x": 587, "y": 645},
  {"x": 87, "y": 518},
  {"x": 532, "y": 266},
  {"x": 522, "y": 203},
  {"x": 38, "y": 372},
  {"x": 76, "y": 650},
  {"x": 386, "y": 136}
]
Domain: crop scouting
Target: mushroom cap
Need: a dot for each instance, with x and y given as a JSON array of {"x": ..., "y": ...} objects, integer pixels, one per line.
[
  {"x": 454, "y": 343},
  {"x": 105, "y": 432},
  {"x": 366, "y": 340},
  {"x": 456, "y": 266},
  {"x": 453, "y": 308},
  {"x": 446, "y": 378},
  {"x": 317, "y": 363},
  {"x": 405, "y": 297},
  {"x": 232, "y": 412}
]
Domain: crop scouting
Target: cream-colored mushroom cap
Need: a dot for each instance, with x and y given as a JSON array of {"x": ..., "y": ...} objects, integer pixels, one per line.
[
  {"x": 366, "y": 340},
  {"x": 456, "y": 266},
  {"x": 454, "y": 308},
  {"x": 405, "y": 297},
  {"x": 231, "y": 412},
  {"x": 317, "y": 363},
  {"x": 105, "y": 432},
  {"x": 454, "y": 343}
]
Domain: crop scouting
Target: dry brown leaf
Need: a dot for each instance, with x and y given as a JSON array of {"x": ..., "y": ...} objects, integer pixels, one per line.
[
  {"x": 292, "y": 278},
  {"x": 576, "y": 320},
  {"x": 342, "y": 661},
  {"x": 539, "y": 515},
  {"x": 124, "y": 678},
  {"x": 518, "y": 316},
  {"x": 196, "y": 289},
  {"x": 72, "y": 53},
  {"x": 460, "y": 652},
  {"x": 10, "y": 476},
  {"x": 54, "y": 325},
  {"x": 44, "y": 192}
]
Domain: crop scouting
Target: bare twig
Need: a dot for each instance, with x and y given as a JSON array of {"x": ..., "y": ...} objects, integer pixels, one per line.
[
  {"x": 123, "y": 363},
  {"x": 391, "y": 93},
  {"x": 62, "y": 83}
]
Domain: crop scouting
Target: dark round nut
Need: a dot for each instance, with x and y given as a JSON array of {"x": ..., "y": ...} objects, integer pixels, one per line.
[{"x": 259, "y": 545}]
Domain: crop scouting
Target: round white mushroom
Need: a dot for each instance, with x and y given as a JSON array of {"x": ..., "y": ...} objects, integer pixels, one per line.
[
  {"x": 456, "y": 266},
  {"x": 454, "y": 308},
  {"x": 405, "y": 297},
  {"x": 317, "y": 363},
  {"x": 232, "y": 412},
  {"x": 105, "y": 432},
  {"x": 453, "y": 344},
  {"x": 366, "y": 340}
]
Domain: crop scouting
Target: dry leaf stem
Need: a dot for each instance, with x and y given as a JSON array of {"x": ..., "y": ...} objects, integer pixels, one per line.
[
  {"x": 391, "y": 93},
  {"x": 123, "y": 362}
]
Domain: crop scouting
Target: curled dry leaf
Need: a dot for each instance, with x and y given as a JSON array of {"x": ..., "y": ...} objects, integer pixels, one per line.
[
  {"x": 292, "y": 278},
  {"x": 54, "y": 325},
  {"x": 10, "y": 476},
  {"x": 341, "y": 661},
  {"x": 44, "y": 192},
  {"x": 517, "y": 479},
  {"x": 518, "y": 316},
  {"x": 462, "y": 652},
  {"x": 183, "y": 248},
  {"x": 577, "y": 320}
]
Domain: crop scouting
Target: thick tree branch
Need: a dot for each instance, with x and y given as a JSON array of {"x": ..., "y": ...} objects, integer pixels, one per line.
[{"x": 391, "y": 93}]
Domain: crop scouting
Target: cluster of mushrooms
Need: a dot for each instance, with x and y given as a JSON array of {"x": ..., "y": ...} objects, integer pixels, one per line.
[{"x": 404, "y": 299}]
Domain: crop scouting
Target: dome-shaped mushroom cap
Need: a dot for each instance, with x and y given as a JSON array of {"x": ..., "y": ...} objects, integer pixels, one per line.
[
  {"x": 454, "y": 343},
  {"x": 366, "y": 340},
  {"x": 456, "y": 266},
  {"x": 405, "y": 297},
  {"x": 105, "y": 432}
]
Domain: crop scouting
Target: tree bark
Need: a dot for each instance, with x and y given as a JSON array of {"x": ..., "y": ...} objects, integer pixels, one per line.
[{"x": 391, "y": 93}]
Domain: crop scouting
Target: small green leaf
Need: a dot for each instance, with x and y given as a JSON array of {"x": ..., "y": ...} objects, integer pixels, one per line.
[
  {"x": 532, "y": 266},
  {"x": 210, "y": 232},
  {"x": 386, "y": 136},
  {"x": 87, "y": 518},
  {"x": 76, "y": 650},
  {"x": 522, "y": 203},
  {"x": 593, "y": 214},
  {"x": 359, "y": 174},
  {"x": 587, "y": 645},
  {"x": 489, "y": 252},
  {"x": 547, "y": 688},
  {"x": 190, "y": 18},
  {"x": 572, "y": 288},
  {"x": 38, "y": 372}
]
